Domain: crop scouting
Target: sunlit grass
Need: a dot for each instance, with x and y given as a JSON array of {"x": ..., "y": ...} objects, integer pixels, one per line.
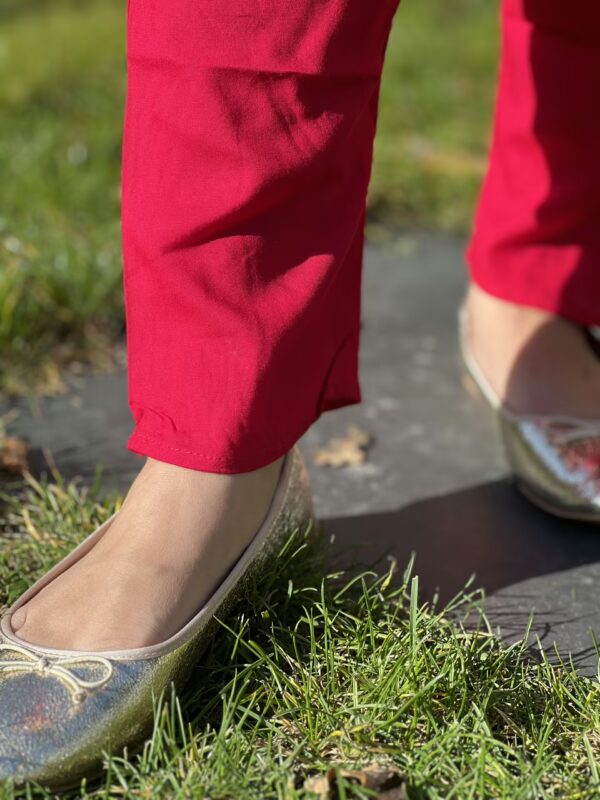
[
  {"x": 61, "y": 89},
  {"x": 435, "y": 113},
  {"x": 318, "y": 671}
]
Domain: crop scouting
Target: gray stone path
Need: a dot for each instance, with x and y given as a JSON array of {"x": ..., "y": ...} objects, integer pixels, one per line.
[{"x": 434, "y": 482}]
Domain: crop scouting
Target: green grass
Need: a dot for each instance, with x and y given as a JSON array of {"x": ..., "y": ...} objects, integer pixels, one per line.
[
  {"x": 61, "y": 92},
  {"x": 62, "y": 83},
  {"x": 320, "y": 672},
  {"x": 435, "y": 113}
]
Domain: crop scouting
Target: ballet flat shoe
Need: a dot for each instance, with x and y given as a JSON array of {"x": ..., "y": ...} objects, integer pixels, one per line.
[
  {"x": 554, "y": 459},
  {"x": 60, "y": 709}
]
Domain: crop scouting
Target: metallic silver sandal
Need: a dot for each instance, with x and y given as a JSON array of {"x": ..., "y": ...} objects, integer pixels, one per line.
[
  {"x": 555, "y": 460},
  {"x": 59, "y": 709}
]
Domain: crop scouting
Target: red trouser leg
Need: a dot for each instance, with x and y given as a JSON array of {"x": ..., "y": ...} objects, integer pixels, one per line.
[
  {"x": 537, "y": 232},
  {"x": 247, "y": 152}
]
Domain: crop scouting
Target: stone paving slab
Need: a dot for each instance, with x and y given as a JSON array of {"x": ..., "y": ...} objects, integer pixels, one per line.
[{"x": 435, "y": 480}]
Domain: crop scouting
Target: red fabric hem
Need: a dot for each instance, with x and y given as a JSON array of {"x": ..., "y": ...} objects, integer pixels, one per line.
[
  {"x": 574, "y": 297},
  {"x": 158, "y": 447}
]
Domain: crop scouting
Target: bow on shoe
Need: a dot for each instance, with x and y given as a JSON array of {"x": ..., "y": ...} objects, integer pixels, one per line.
[{"x": 60, "y": 668}]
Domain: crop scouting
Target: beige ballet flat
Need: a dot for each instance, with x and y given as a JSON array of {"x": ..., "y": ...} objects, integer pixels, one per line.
[
  {"x": 59, "y": 709},
  {"x": 555, "y": 460}
]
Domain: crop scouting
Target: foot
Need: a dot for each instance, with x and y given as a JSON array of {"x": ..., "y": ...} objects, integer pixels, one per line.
[
  {"x": 177, "y": 534},
  {"x": 536, "y": 362}
]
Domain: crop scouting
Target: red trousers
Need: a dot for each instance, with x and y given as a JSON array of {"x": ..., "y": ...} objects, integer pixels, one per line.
[{"x": 247, "y": 153}]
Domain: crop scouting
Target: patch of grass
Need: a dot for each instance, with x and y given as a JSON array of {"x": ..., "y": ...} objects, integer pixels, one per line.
[
  {"x": 435, "y": 113},
  {"x": 62, "y": 77},
  {"x": 62, "y": 86},
  {"x": 322, "y": 671}
]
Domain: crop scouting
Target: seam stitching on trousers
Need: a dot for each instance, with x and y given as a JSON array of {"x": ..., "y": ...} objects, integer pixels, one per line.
[{"x": 137, "y": 435}]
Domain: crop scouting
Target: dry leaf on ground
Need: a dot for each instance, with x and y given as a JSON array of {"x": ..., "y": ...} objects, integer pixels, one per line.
[
  {"x": 347, "y": 450},
  {"x": 388, "y": 783},
  {"x": 13, "y": 455}
]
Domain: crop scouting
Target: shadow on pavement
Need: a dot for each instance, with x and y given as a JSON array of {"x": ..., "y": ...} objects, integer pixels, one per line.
[{"x": 523, "y": 559}]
